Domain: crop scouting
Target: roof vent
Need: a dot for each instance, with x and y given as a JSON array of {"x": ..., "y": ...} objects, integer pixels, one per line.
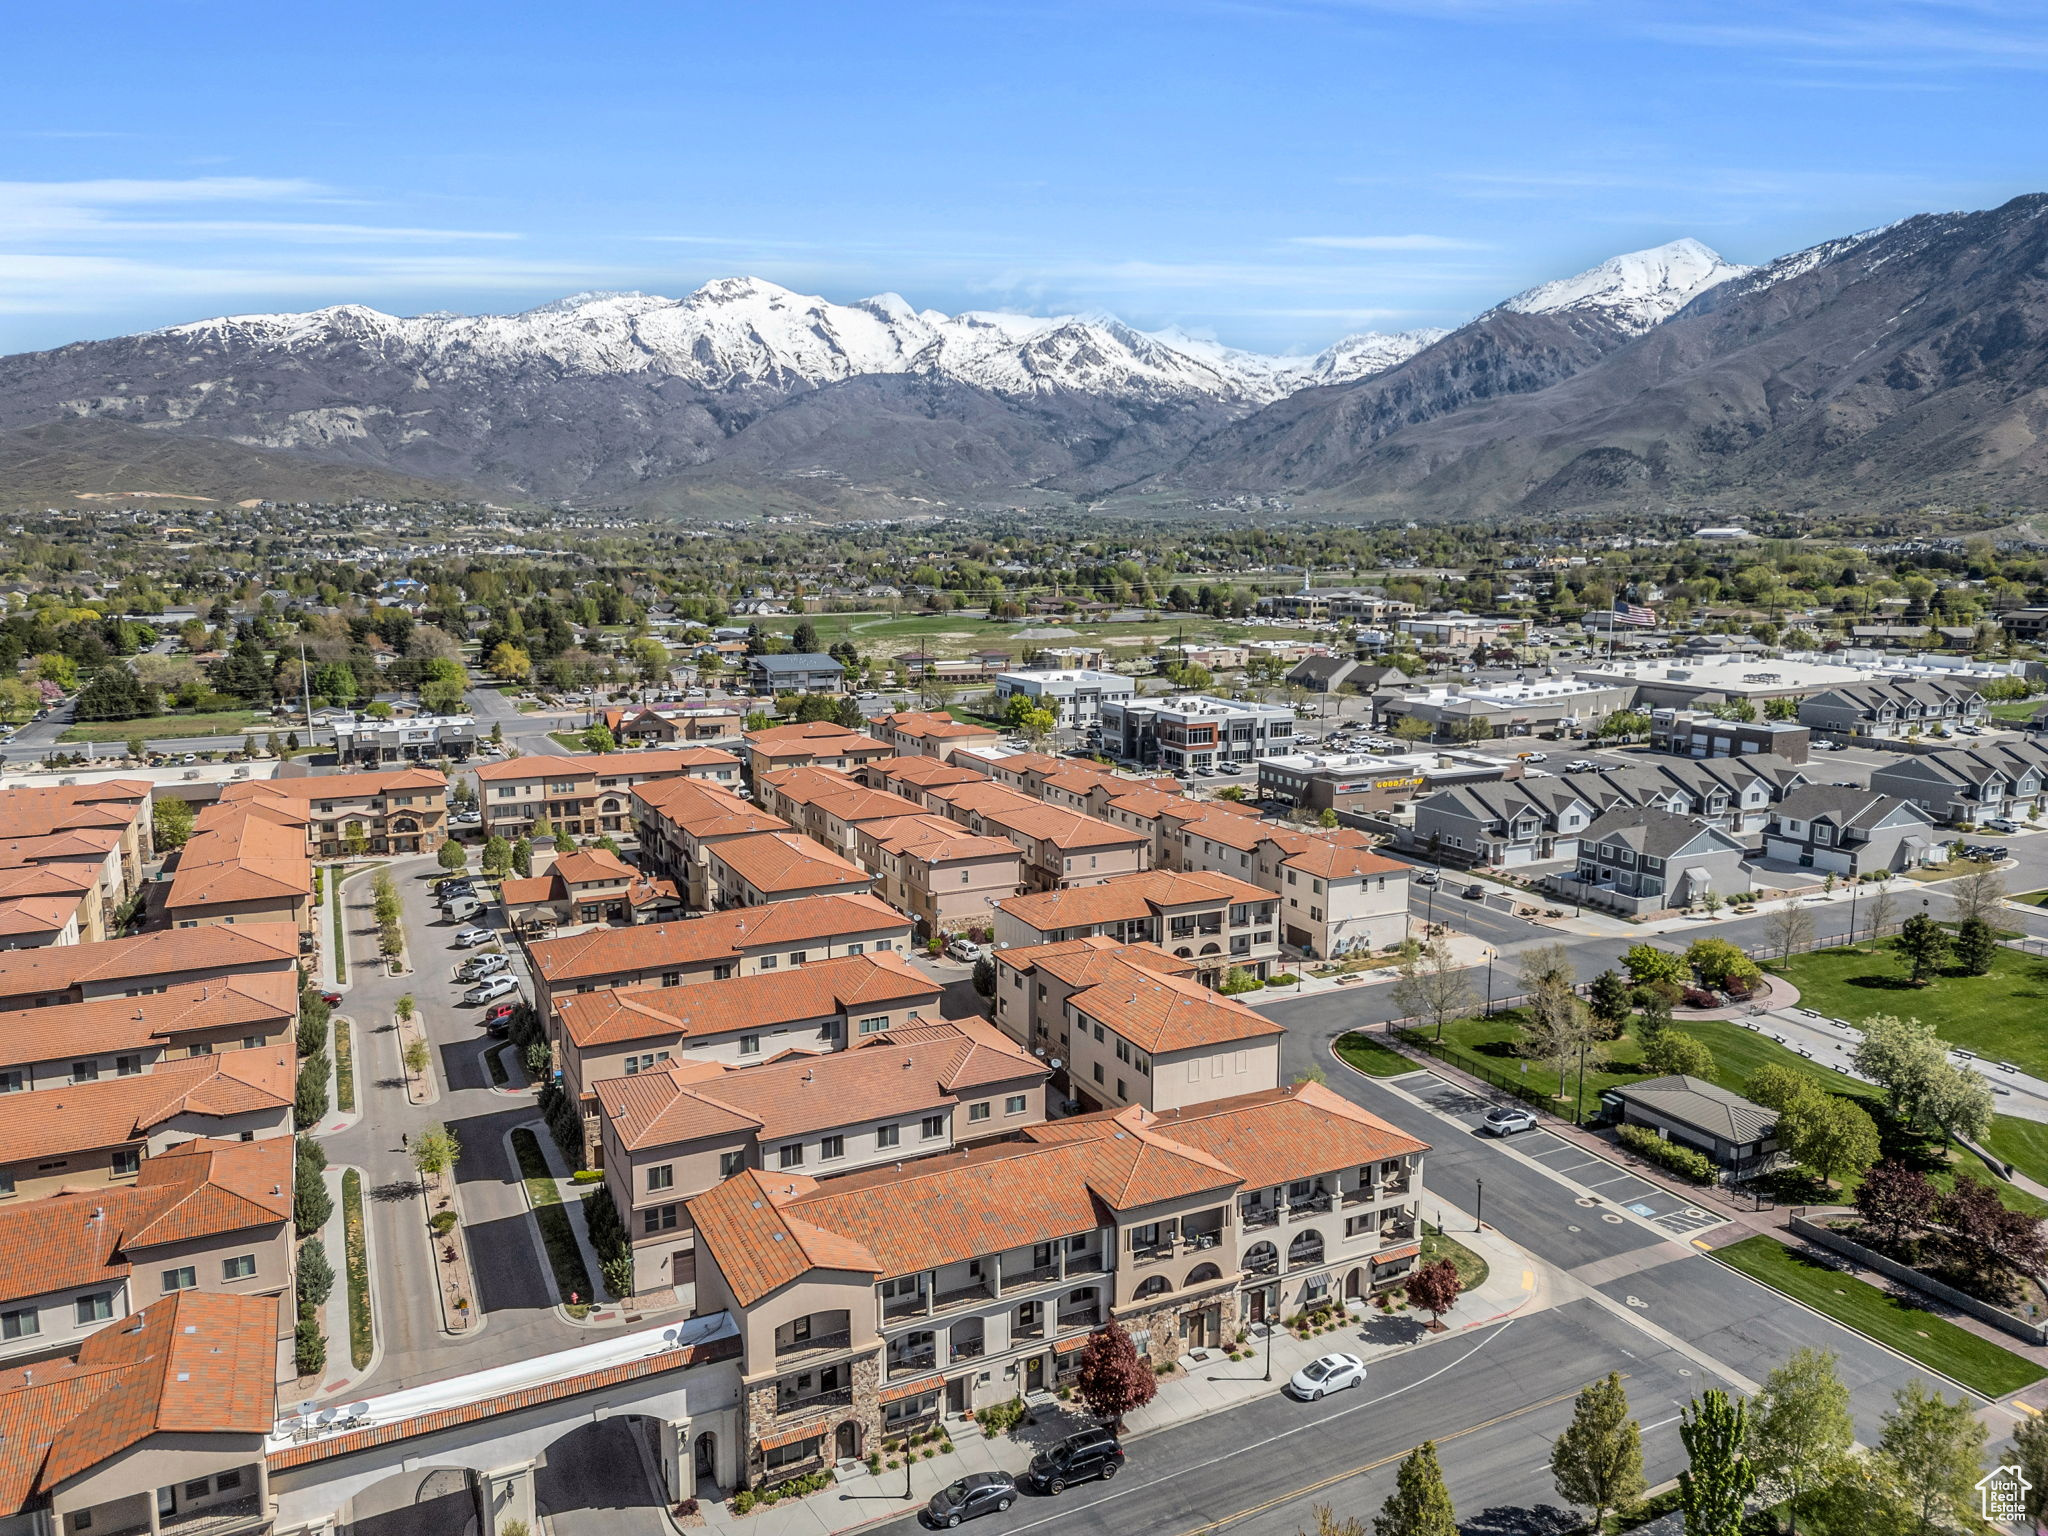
[{"x": 184, "y": 1375}]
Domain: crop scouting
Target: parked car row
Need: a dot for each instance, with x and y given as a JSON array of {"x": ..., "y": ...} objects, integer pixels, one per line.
[{"x": 1080, "y": 1458}]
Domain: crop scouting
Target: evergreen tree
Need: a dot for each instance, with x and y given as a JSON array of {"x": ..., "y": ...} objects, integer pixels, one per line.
[
  {"x": 1420, "y": 1504},
  {"x": 497, "y": 856},
  {"x": 1718, "y": 1480},
  {"x": 522, "y": 857},
  {"x": 1607, "y": 999},
  {"x": 1598, "y": 1460},
  {"x": 805, "y": 641},
  {"x": 1924, "y": 945},
  {"x": 1976, "y": 946}
]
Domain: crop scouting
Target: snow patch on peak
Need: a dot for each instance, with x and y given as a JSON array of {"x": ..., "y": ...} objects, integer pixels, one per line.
[{"x": 1637, "y": 290}]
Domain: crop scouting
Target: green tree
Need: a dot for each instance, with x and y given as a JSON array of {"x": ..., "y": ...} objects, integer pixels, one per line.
[
  {"x": 1607, "y": 999},
  {"x": 985, "y": 977},
  {"x": 497, "y": 856},
  {"x": 1902, "y": 1056},
  {"x": 1801, "y": 1434},
  {"x": 1676, "y": 1052},
  {"x": 2030, "y": 1451},
  {"x": 1647, "y": 965},
  {"x": 511, "y": 663},
  {"x": 522, "y": 857},
  {"x": 170, "y": 821},
  {"x": 1930, "y": 1453},
  {"x": 1420, "y": 1504},
  {"x": 599, "y": 738},
  {"x": 1976, "y": 947},
  {"x": 1924, "y": 945},
  {"x": 311, "y": 1204},
  {"x": 452, "y": 857},
  {"x": 1327, "y": 819},
  {"x": 1828, "y": 1134},
  {"x": 804, "y": 642},
  {"x": 113, "y": 693},
  {"x": 434, "y": 1151},
  {"x": 1715, "y": 1486},
  {"x": 1718, "y": 963},
  {"x": 1598, "y": 1461}
]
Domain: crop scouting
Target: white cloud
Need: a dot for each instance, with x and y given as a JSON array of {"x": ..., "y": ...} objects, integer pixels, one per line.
[
  {"x": 87, "y": 212},
  {"x": 1388, "y": 243}
]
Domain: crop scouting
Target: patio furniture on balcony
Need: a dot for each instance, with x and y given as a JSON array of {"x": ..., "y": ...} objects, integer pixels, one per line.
[
  {"x": 836, "y": 1398},
  {"x": 1252, "y": 1217}
]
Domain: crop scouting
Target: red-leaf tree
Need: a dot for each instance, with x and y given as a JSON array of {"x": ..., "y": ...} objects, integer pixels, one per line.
[
  {"x": 1434, "y": 1288},
  {"x": 1114, "y": 1378}
]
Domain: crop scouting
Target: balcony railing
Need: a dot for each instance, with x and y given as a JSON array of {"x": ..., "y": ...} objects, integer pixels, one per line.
[
  {"x": 836, "y": 1398},
  {"x": 969, "y": 1349},
  {"x": 1397, "y": 1231},
  {"x": 1197, "y": 1242},
  {"x": 1308, "y": 1205},
  {"x": 905, "y": 1306},
  {"x": 912, "y": 1364},
  {"x": 1264, "y": 1266},
  {"x": 1028, "y": 1330},
  {"x": 1038, "y": 1274},
  {"x": 1252, "y": 1217},
  {"x": 1081, "y": 1317},
  {"x": 1365, "y": 1194},
  {"x": 1084, "y": 1264},
  {"x": 1152, "y": 1254},
  {"x": 817, "y": 1343},
  {"x": 961, "y": 1296}
]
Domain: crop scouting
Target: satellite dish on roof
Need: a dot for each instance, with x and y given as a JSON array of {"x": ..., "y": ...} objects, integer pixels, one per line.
[{"x": 1055, "y": 1063}]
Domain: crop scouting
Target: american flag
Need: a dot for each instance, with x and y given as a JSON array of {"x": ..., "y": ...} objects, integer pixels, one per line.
[{"x": 1626, "y": 612}]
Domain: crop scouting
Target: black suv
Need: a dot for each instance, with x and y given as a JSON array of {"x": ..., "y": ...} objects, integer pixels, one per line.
[{"x": 1092, "y": 1453}]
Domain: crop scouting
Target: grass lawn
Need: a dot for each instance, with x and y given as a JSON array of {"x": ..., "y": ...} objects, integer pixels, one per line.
[
  {"x": 956, "y": 634},
  {"x": 344, "y": 1068},
  {"x": 227, "y": 722},
  {"x": 2023, "y": 1143},
  {"x": 2031, "y": 898},
  {"x": 1486, "y": 1047},
  {"x": 1372, "y": 1058},
  {"x": 1998, "y": 1016},
  {"x": 1472, "y": 1269},
  {"x": 1933, "y": 1341},
  {"x": 357, "y": 1264},
  {"x": 565, "y": 1254},
  {"x": 2015, "y": 709}
]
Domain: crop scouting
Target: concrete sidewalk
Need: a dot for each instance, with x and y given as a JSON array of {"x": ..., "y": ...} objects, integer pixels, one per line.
[{"x": 1203, "y": 1384}]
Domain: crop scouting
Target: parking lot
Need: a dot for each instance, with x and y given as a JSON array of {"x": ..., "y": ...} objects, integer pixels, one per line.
[{"x": 1602, "y": 1183}]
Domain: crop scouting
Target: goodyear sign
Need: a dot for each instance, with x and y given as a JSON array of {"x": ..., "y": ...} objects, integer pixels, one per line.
[{"x": 1363, "y": 785}]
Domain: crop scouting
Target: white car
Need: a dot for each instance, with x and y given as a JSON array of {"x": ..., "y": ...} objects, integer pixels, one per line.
[
  {"x": 469, "y": 938},
  {"x": 1328, "y": 1373},
  {"x": 964, "y": 951},
  {"x": 490, "y": 991}
]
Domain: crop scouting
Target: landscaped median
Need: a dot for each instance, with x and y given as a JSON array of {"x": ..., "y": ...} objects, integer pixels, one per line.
[
  {"x": 361, "y": 1342},
  {"x": 1373, "y": 1057},
  {"x": 1932, "y": 1341},
  {"x": 558, "y": 1235}
]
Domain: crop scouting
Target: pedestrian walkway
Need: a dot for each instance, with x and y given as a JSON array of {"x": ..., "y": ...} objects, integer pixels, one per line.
[
  {"x": 1206, "y": 1382},
  {"x": 1466, "y": 949}
]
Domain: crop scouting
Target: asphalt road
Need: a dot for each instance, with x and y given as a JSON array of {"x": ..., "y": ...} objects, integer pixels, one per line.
[{"x": 1493, "y": 1399}]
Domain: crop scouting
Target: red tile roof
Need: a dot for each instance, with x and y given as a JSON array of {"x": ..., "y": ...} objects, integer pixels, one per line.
[
  {"x": 785, "y": 861},
  {"x": 214, "y": 949},
  {"x": 1122, "y": 898},
  {"x": 108, "y": 1024},
  {"x": 715, "y": 936},
  {"x": 823, "y": 989},
  {"x": 84, "y": 1117},
  {"x": 195, "y": 1363}
]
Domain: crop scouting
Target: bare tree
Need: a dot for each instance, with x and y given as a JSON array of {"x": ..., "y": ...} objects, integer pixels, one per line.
[
  {"x": 1433, "y": 986},
  {"x": 1882, "y": 906},
  {"x": 1789, "y": 928},
  {"x": 1979, "y": 896}
]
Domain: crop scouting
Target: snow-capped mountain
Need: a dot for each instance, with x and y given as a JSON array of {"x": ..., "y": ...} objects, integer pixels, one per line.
[
  {"x": 744, "y": 333},
  {"x": 1636, "y": 290},
  {"x": 1667, "y": 371}
]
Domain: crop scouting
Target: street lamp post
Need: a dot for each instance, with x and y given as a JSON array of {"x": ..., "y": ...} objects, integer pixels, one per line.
[
  {"x": 1269, "y": 1349},
  {"x": 1479, "y": 1205},
  {"x": 1489, "y": 983},
  {"x": 1579, "y": 1099},
  {"x": 1853, "y": 882}
]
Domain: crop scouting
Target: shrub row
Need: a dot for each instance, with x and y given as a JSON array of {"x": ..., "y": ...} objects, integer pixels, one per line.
[{"x": 1681, "y": 1160}]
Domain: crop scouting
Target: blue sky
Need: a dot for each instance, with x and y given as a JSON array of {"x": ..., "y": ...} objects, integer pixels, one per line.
[{"x": 1271, "y": 172}]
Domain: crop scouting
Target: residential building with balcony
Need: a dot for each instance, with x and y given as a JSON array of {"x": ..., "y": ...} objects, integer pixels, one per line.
[
  {"x": 156, "y": 1426},
  {"x": 1336, "y": 896},
  {"x": 115, "y": 815},
  {"x": 795, "y": 672},
  {"x": 70, "y": 855},
  {"x": 67, "y": 1044},
  {"x": 1128, "y": 1024},
  {"x": 1895, "y": 706},
  {"x": 1970, "y": 784},
  {"x": 867, "y": 1305},
  {"x": 586, "y": 795},
  {"x": 103, "y": 1131},
  {"x": 210, "y": 1216},
  {"x": 404, "y": 810},
  {"x": 245, "y": 862},
  {"x": 1216, "y": 920},
  {"x": 678, "y": 822},
  {"x": 946, "y": 877},
  {"x": 778, "y": 866},
  {"x": 930, "y": 733},
  {"x": 591, "y": 885},
  {"x": 1061, "y": 847},
  {"x": 910, "y": 777},
  {"x": 1159, "y": 815},
  {"x": 669, "y": 1135},
  {"x": 816, "y": 1008},
  {"x": 828, "y": 806},
  {"x": 1636, "y": 861},
  {"x": 751, "y": 941},
  {"x": 1839, "y": 829},
  {"x": 146, "y": 963},
  {"x": 811, "y": 744}
]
